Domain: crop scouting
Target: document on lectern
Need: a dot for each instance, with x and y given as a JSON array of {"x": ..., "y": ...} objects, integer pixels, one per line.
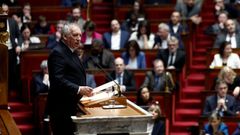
[{"x": 99, "y": 93}]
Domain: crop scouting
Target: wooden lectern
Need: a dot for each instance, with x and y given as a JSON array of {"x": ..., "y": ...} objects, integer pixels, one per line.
[
  {"x": 125, "y": 117},
  {"x": 7, "y": 124}
]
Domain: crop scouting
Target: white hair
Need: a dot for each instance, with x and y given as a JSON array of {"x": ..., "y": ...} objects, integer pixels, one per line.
[
  {"x": 44, "y": 64},
  {"x": 164, "y": 26},
  {"x": 67, "y": 28}
]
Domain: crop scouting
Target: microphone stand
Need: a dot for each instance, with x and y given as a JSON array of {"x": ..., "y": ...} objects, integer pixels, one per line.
[{"x": 108, "y": 76}]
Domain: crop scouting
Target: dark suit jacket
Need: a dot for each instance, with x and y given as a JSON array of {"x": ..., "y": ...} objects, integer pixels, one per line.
[
  {"x": 211, "y": 105},
  {"x": 128, "y": 80},
  {"x": 222, "y": 37},
  {"x": 158, "y": 128},
  {"x": 14, "y": 33},
  {"x": 104, "y": 59},
  {"x": 158, "y": 41},
  {"x": 39, "y": 86},
  {"x": 149, "y": 82},
  {"x": 108, "y": 36},
  {"x": 163, "y": 54},
  {"x": 181, "y": 29},
  {"x": 66, "y": 74}
]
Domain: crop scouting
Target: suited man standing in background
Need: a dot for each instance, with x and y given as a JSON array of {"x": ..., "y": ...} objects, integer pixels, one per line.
[
  {"x": 67, "y": 78},
  {"x": 13, "y": 49}
]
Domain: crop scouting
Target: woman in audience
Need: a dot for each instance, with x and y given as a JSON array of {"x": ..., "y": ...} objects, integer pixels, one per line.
[
  {"x": 215, "y": 126},
  {"x": 143, "y": 36},
  {"x": 89, "y": 33},
  {"x": 226, "y": 57},
  {"x": 156, "y": 127},
  {"x": 138, "y": 10},
  {"x": 27, "y": 38},
  {"x": 144, "y": 98},
  {"x": 231, "y": 78},
  {"x": 134, "y": 58}
]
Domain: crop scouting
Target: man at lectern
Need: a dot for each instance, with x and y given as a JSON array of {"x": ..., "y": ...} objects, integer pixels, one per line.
[{"x": 67, "y": 81}]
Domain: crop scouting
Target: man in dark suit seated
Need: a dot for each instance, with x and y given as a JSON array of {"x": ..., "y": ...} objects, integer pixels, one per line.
[
  {"x": 123, "y": 77},
  {"x": 232, "y": 35},
  {"x": 99, "y": 56},
  {"x": 67, "y": 78},
  {"x": 221, "y": 102},
  {"x": 157, "y": 80},
  {"x": 172, "y": 57}
]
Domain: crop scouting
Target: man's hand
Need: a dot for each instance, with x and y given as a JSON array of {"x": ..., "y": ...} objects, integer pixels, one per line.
[
  {"x": 85, "y": 91},
  {"x": 236, "y": 91},
  {"x": 221, "y": 103}
]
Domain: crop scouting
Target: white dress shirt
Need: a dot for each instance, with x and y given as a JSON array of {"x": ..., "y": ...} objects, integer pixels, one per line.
[{"x": 115, "y": 40}]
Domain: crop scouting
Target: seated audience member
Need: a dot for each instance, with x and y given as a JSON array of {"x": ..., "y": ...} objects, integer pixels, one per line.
[
  {"x": 226, "y": 57},
  {"x": 89, "y": 33},
  {"x": 157, "y": 80},
  {"x": 176, "y": 27},
  {"x": 42, "y": 26},
  {"x": 215, "y": 126},
  {"x": 162, "y": 35},
  {"x": 156, "y": 126},
  {"x": 26, "y": 16},
  {"x": 133, "y": 57},
  {"x": 221, "y": 102},
  {"x": 138, "y": 10},
  {"x": 99, "y": 56},
  {"x": 122, "y": 76},
  {"x": 231, "y": 78},
  {"x": 41, "y": 80},
  {"x": 144, "y": 98},
  {"x": 27, "y": 39},
  {"x": 130, "y": 25},
  {"x": 117, "y": 38},
  {"x": 76, "y": 17},
  {"x": 90, "y": 80},
  {"x": 190, "y": 9},
  {"x": 143, "y": 35},
  {"x": 231, "y": 35},
  {"x": 220, "y": 6},
  {"x": 172, "y": 57},
  {"x": 219, "y": 26},
  {"x": 55, "y": 38}
]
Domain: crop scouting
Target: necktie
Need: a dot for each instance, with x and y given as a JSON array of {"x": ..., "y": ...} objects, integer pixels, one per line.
[
  {"x": 156, "y": 83},
  {"x": 171, "y": 60},
  {"x": 119, "y": 80}
]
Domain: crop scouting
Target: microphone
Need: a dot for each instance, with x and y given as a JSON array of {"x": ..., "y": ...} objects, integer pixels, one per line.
[{"x": 107, "y": 75}]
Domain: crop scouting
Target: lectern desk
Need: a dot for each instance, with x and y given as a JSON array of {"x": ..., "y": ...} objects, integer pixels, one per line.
[{"x": 132, "y": 119}]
